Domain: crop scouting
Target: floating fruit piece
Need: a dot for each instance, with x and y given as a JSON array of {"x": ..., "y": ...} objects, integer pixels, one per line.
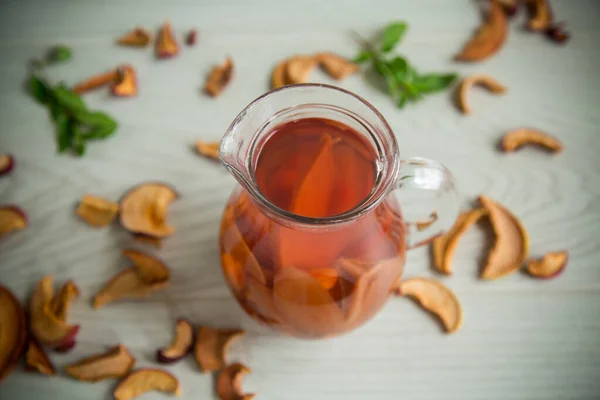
[
  {"x": 166, "y": 44},
  {"x": 336, "y": 66},
  {"x": 512, "y": 242},
  {"x": 278, "y": 78},
  {"x": 549, "y": 266},
  {"x": 540, "y": 15},
  {"x": 12, "y": 218},
  {"x": 436, "y": 298},
  {"x": 298, "y": 69},
  {"x": 443, "y": 246},
  {"x": 36, "y": 359},
  {"x": 97, "y": 211},
  {"x": 115, "y": 363},
  {"x": 139, "y": 37},
  {"x": 126, "y": 86},
  {"x": 486, "y": 81},
  {"x": 43, "y": 324},
  {"x": 489, "y": 38},
  {"x": 191, "y": 37},
  {"x": 97, "y": 81},
  {"x": 13, "y": 331},
  {"x": 127, "y": 284},
  {"x": 146, "y": 380},
  {"x": 515, "y": 139},
  {"x": 62, "y": 301},
  {"x": 229, "y": 383},
  {"x": 422, "y": 225},
  {"x": 208, "y": 149},
  {"x": 219, "y": 77},
  {"x": 149, "y": 240},
  {"x": 211, "y": 346},
  {"x": 181, "y": 345},
  {"x": 144, "y": 209},
  {"x": 7, "y": 163}
]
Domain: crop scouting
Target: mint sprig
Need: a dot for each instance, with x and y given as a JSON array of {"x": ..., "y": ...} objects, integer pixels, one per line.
[{"x": 403, "y": 81}]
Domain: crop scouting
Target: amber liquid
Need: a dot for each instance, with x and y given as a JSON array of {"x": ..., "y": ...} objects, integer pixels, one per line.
[{"x": 312, "y": 282}]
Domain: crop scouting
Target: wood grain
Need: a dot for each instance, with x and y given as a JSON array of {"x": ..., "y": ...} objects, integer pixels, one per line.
[{"x": 521, "y": 339}]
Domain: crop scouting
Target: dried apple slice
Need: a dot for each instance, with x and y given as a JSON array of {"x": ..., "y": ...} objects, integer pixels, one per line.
[
  {"x": 62, "y": 301},
  {"x": 182, "y": 343},
  {"x": 336, "y": 66},
  {"x": 208, "y": 149},
  {"x": 115, "y": 363},
  {"x": 540, "y": 15},
  {"x": 481, "y": 80},
  {"x": 517, "y": 138},
  {"x": 298, "y": 68},
  {"x": 144, "y": 209},
  {"x": 549, "y": 266},
  {"x": 7, "y": 163},
  {"x": 146, "y": 380},
  {"x": 219, "y": 78},
  {"x": 36, "y": 359},
  {"x": 97, "y": 81},
  {"x": 139, "y": 37},
  {"x": 151, "y": 269},
  {"x": 149, "y": 240},
  {"x": 278, "y": 78},
  {"x": 443, "y": 246},
  {"x": 13, "y": 331},
  {"x": 435, "y": 298},
  {"x": 166, "y": 44},
  {"x": 489, "y": 38},
  {"x": 66, "y": 346},
  {"x": 97, "y": 211},
  {"x": 43, "y": 324},
  {"x": 126, "y": 86},
  {"x": 127, "y": 284},
  {"x": 12, "y": 218},
  {"x": 512, "y": 242},
  {"x": 211, "y": 346},
  {"x": 229, "y": 382}
]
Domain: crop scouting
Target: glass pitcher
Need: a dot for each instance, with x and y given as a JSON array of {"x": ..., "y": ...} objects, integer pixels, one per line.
[{"x": 322, "y": 274}]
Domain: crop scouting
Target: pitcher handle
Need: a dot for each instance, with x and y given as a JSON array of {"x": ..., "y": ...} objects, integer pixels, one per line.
[{"x": 433, "y": 179}]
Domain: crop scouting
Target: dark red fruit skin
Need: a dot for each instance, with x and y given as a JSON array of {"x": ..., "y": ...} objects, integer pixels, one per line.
[
  {"x": 163, "y": 359},
  {"x": 557, "y": 34},
  {"x": 191, "y": 38},
  {"x": 9, "y": 167},
  {"x": 66, "y": 347}
]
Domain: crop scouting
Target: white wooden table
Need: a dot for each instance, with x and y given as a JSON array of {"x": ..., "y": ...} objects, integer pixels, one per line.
[{"x": 521, "y": 338}]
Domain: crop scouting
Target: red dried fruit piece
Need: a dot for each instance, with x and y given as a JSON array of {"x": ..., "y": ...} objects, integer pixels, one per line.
[
  {"x": 62, "y": 301},
  {"x": 12, "y": 218},
  {"x": 66, "y": 347},
  {"x": 42, "y": 322},
  {"x": 515, "y": 139},
  {"x": 557, "y": 34},
  {"x": 139, "y": 37},
  {"x": 191, "y": 37},
  {"x": 115, "y": 363},
  {"x": 7, "y": 163},
  {"x": 219, "y": 77},
  {"x": 13, "y": 331},
  {"x": 96, "y": 211},
  {"x": 211, "y": 346},
  {"x": 182, "y": 343},
  {"x": 144, "y": 209},
  {"x": 549, "y": 266},
  {"x": 97, "y": 81},
  {"x": 489, "y": 38},
  {"x": 126, "y": 86},
  {"x": 36, "y": 359},
  {"x": 511, "y": 7},
  {"x": 166, "y": 44},
  {"x": 146, "y": 380},
  {"x": 540, "y": 15},
  {"x": 229, "y": 383},
  {"x": 336, "y": 66}
]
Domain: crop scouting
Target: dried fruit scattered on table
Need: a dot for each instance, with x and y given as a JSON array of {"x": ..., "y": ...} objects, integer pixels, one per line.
[
  {"x": 436, "y": 298},
  {"x": 549, "y": 266},
  {"x": 115, "y": 363},
  {"x": 219, "y": 77},
  {"x": 489, "y": 38},
  {"x": 149, "y": 240},
  {"x": 511, "y": 7},
  {"x": 182, "y": 343},
  {"x": 208, "y": 149},
  {"x": 12, "y": 218},
  {"x": 278, "y": 78},
  {"x": 97, "y": 81},
  {"x": 126, "y": 85},
  {"x": 13, "y": 331},
  {"x": 166, "y": 45},
  {"x": 540, "y": 15},
  {"x": 139, "y": 37},
  {"x": 151, "y": 269},
  {"x": 336, "y": 66},
  {"x": 515, "y": 139},
  {"x": 486, "y": 81},
  {"x": 44, "y": 325},
  {"x": 298, "y": 69},
  {"x": 211, "y": 346},
  {"x": 443, "y": 246},
  {"x": 143, "y": 209},
  {"x": 97, "y": 211},
  {"x": 36, "y": 359},
  {"x": 191, "y": 37},
  {"x": 229, "y": 383},
  {"x": 512, "y": 242},
  {"x": 146, "y": 380},
  {"x": 62, "y": 301},
  {"x": 7, "y": 163}
]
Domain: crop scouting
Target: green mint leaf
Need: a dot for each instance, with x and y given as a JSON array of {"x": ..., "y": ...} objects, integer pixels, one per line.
[
  {"x": 400, "y": 69},
  {"x": 64, "y": 132},
  {"x": 431, "y": 83},
  {"x": 411, "y": 91},
  {"x": 403, "y": 99},
  {"x": 78, "y": 142},
  {"x": 59, "y": 54},
  {"x": 67, "y": 98},
  {"x": 392, "y": 35},
  {"x": 383, "y": 69},
  {"x": 363, "y": 56},
  {"x": 38, "y": 89},
  {"x": 94, "y": 118}
]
